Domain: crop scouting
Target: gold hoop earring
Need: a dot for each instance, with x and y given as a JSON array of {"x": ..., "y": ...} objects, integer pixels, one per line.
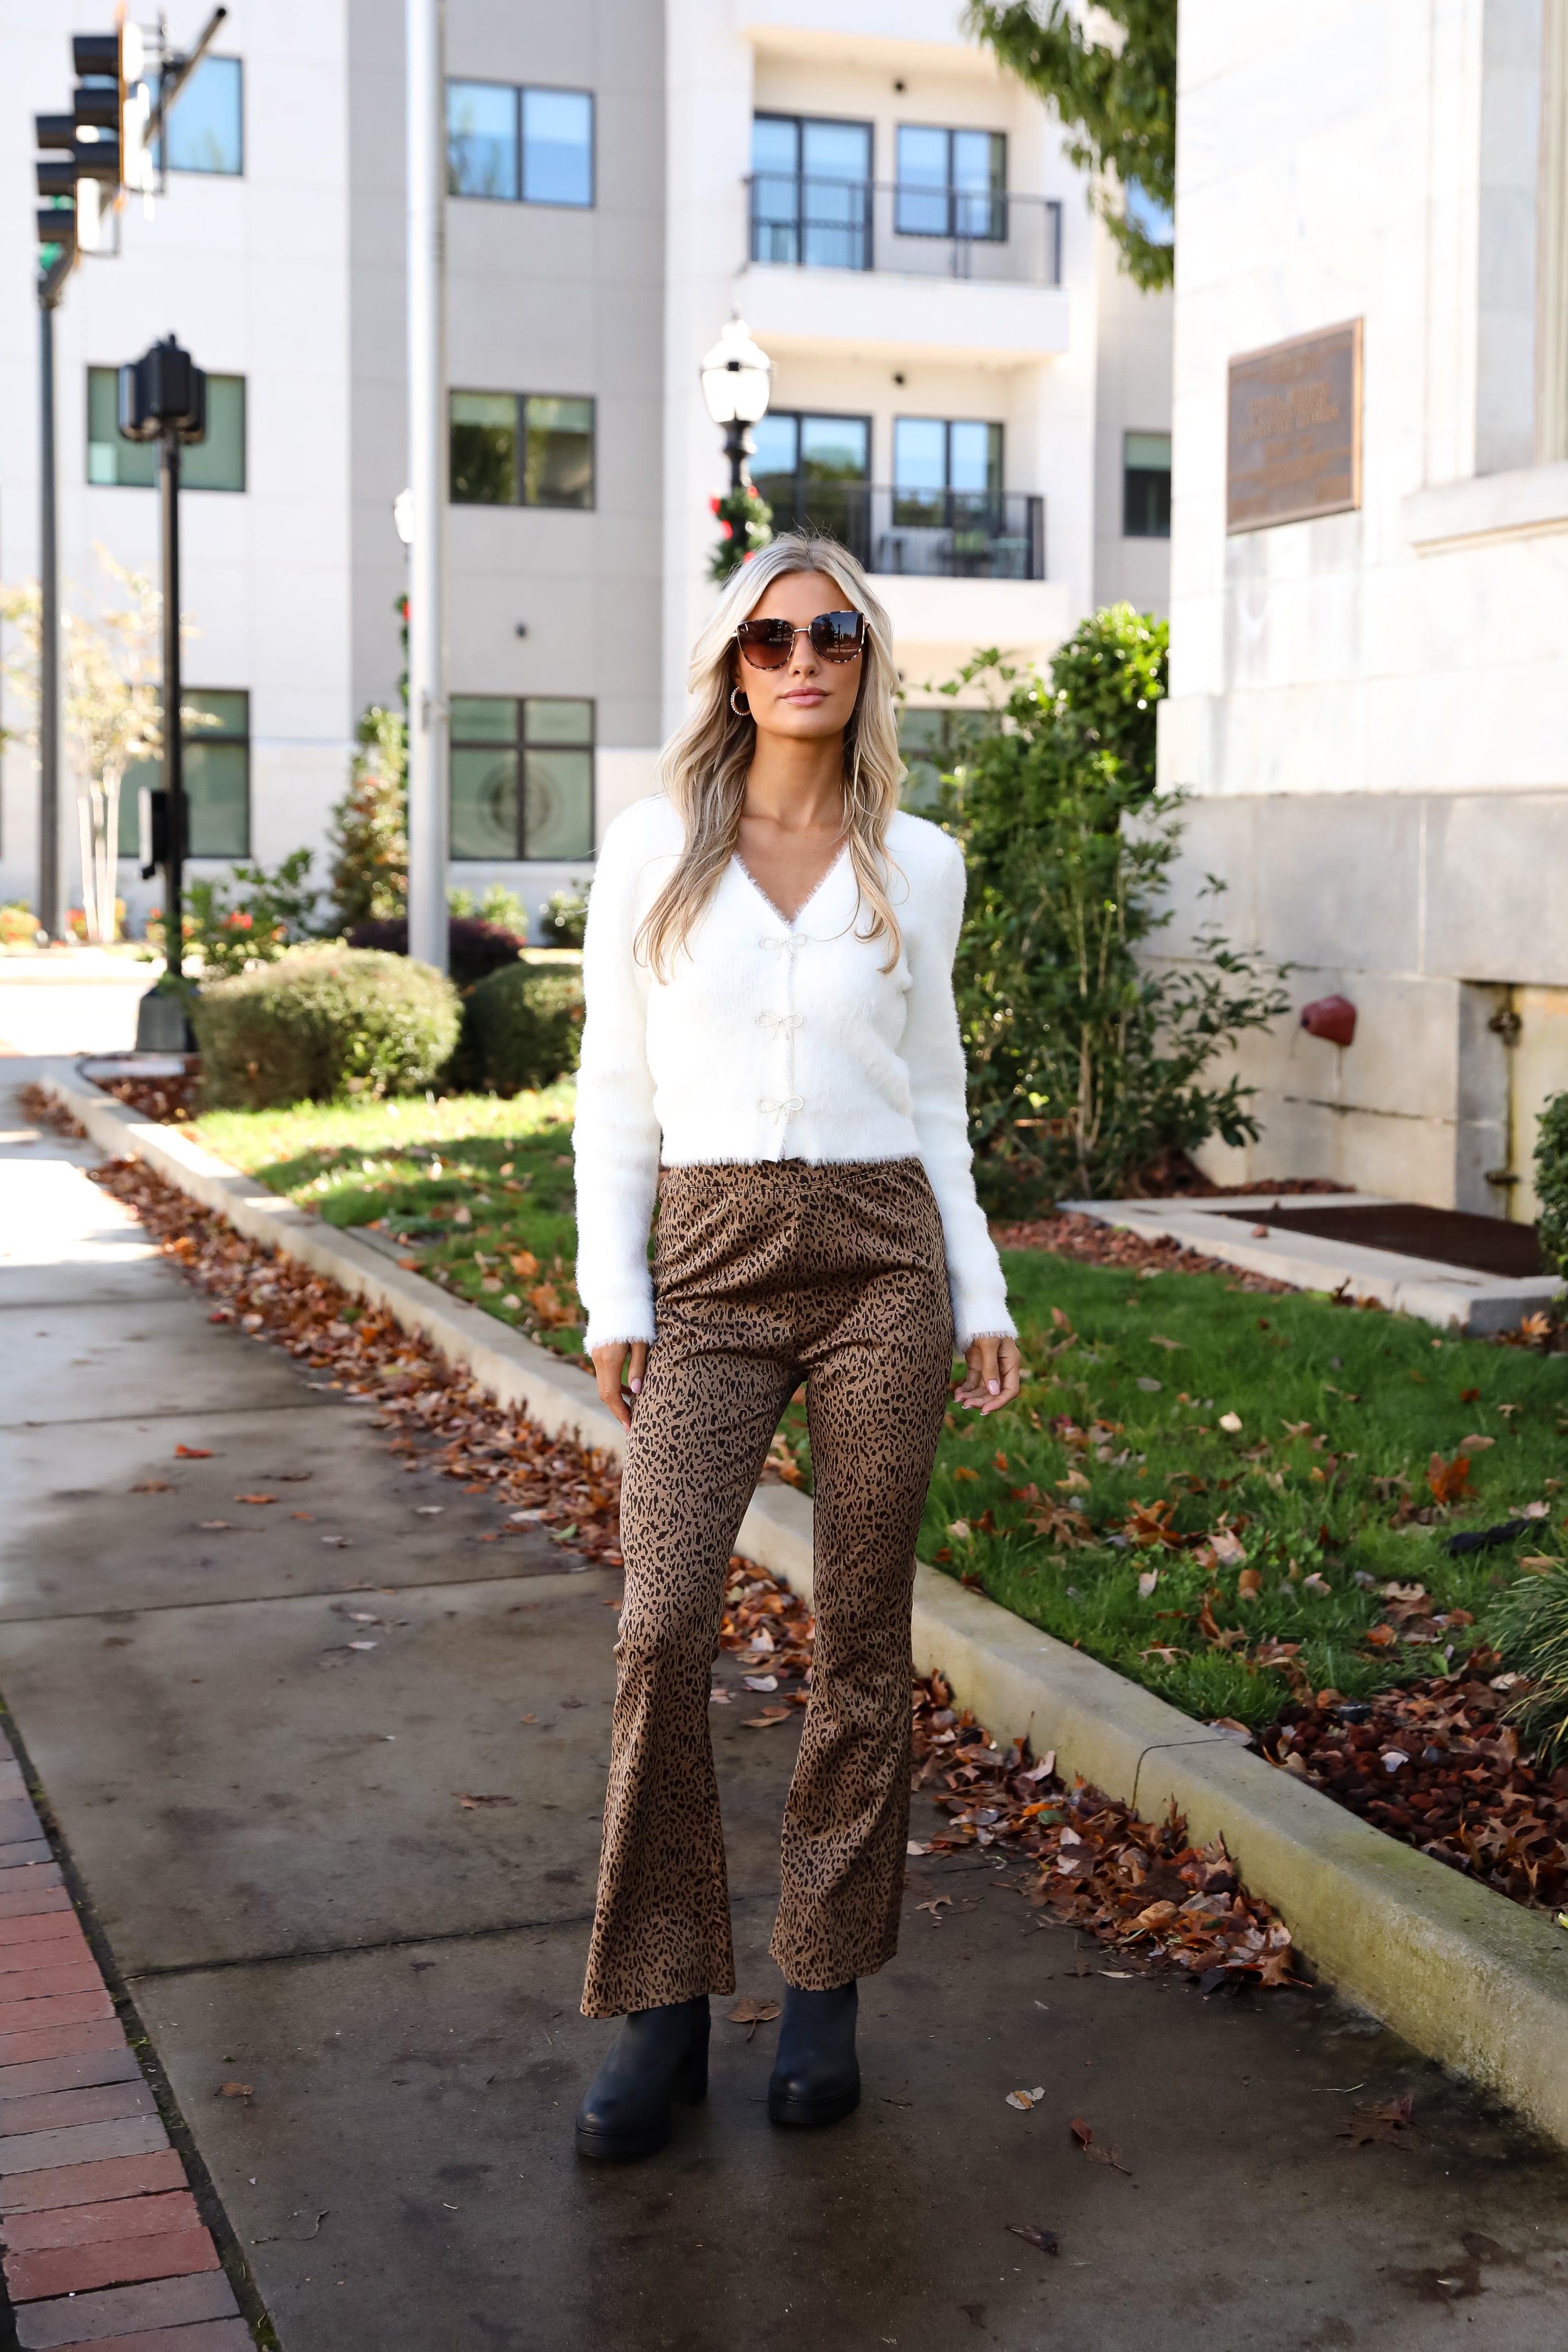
[{"x": 740, "y": 702}]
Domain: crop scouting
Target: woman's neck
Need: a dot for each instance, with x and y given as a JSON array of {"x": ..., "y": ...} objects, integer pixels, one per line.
[{"x": 797, "y": 786}]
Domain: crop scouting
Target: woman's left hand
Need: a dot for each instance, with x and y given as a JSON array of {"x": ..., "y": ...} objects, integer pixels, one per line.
[{"x": 991, "y": 1379}]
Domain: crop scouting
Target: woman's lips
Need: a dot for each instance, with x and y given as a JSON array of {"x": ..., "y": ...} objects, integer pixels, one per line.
[{"x": 806, "y": 694}]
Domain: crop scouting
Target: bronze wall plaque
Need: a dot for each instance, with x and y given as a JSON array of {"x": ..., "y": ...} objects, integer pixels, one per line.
[{"x": 1293, "y": 439}]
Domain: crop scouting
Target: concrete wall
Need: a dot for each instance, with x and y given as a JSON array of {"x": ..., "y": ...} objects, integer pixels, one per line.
[{"x": 1368, "y": 707}]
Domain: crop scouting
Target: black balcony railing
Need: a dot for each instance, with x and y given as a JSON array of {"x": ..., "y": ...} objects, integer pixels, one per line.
[
  {"x": 929, "y": 534},
  {"x": 802, "y": 221}
]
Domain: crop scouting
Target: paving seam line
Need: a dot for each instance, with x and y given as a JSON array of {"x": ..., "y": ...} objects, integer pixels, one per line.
[{"x": 1468, "y": 1977}]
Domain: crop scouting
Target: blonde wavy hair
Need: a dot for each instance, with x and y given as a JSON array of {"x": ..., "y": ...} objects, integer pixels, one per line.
[{"x": 704, "y": 766}]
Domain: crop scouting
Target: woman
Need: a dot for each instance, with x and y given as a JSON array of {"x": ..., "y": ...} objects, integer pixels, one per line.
[{"x": 771, "y": 1048}]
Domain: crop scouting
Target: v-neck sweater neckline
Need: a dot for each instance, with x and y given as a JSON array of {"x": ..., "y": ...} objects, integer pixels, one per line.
[{"x": 814, "y": 894}]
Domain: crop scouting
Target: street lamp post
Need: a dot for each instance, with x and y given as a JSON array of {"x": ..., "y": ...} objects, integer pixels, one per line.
[
  {"x": 737, "y": 376},
  {"x": 163, "y": 398},
  {"x": 428, "y": 721}
]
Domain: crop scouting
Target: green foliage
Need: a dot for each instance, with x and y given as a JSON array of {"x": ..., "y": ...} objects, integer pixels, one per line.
[
  {"x": 1116, "y": 99},
  {"x": 746, "y": 524},
  {"x": 369, "y": 832},
  {"x": 566, "y": 918},
  {"x": 1551, "y": 1182},
  {"x": 1086, "y": 1062},
  {"x": 272, "y": 911},
  {"x": 324, "y": 1021},
  {"x": 1531, "y": 1633},
  {"x": 523, "y": 1026},
  {"x": 498, "y": 905}
]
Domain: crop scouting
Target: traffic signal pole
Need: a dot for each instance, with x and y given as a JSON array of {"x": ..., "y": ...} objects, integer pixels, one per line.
[{"x": 51, "y": 908}]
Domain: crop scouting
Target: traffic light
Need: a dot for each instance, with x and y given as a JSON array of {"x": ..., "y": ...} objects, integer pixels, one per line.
[{"x": 101, "y": 145}]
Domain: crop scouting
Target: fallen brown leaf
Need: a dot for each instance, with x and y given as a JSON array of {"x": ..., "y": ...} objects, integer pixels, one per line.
[
  {"x": 470, "y": 1804},
  {"x": 769, "y": 1714},
  {"x": 256, "y": 1498},
  {"x": 236, "y": 2090},
  {"x": 152, "y": 1487},
  {"x": 193, "y": 1454},
  {"x": 1093, "y": 2150},
  {"x": 754, "y": 2012},
  {"x": 1046, "y": 2239}
]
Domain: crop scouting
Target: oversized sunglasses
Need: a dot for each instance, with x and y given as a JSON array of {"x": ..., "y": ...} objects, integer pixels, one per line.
[{"x": 771, "y": 644}]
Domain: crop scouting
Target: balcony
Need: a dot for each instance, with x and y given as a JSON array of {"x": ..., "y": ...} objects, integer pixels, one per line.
[
  {"x": 919, "y": 534},
  {"x": 803, "y": 221},
  {"x": 860, "y": 265}
]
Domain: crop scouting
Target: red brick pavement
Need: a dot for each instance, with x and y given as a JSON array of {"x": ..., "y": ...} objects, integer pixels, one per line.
[{"x": 103, "y": 2247}]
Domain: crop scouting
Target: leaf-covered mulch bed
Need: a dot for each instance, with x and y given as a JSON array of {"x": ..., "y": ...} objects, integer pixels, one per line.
[
  {"x": 1068, "y": 1234},
  {"x": 170, "y": 1101},
  {"x": 1433, "y": 1764},
  {"x": 1137, "y": 1886}
]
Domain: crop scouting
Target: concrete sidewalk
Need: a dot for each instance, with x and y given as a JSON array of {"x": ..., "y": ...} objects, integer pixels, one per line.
[{"x": 268, "y": 1827}]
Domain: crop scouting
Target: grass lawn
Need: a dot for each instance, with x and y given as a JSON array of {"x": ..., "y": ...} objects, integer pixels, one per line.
[
  {"x": 479, "y": 1189},
  {"x": 1207, "y": 1488}
]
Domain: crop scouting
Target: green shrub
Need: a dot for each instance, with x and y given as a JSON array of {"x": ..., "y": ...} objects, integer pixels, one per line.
[
  {"x": 523, "y": 1026},
  {"x": 1085, "y": 1063},
  {"x": 565, "y": 914},
  {"x": 1531, "y": 1633},
  {"x": 321, "y": 1023},
  {"x": 1551, "y": 1183}
]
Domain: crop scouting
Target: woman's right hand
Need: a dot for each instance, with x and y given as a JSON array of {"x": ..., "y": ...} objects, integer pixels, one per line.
[{"x": 619, "y": 1385}]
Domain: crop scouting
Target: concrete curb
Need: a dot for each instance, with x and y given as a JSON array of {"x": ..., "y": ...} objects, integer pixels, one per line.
[{"x": 1465, "y": 1975}]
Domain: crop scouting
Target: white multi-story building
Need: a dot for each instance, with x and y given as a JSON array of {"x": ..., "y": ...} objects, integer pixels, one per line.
[
  {"x": 1368, "y": 700},
  {"x": 965, "y": 389}
]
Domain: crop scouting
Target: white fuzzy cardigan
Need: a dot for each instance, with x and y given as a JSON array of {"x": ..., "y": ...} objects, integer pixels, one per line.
[{"x": 769, "y": 1041}]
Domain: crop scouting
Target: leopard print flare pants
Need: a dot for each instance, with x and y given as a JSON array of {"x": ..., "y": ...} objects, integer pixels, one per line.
[{"x": 766, "y": 1275}]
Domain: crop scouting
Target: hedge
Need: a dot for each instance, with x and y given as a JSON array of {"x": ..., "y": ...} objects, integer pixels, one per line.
[
  {"x": 321, "y": 1023},
  {"x": 523, "y": 1026},
  {"x": 474, "y": 947}
]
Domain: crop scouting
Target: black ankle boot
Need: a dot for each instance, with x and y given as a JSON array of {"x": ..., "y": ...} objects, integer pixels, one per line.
[
  {"x": 816, "y": 2077},
  {"x": 659, "y": 2055}
]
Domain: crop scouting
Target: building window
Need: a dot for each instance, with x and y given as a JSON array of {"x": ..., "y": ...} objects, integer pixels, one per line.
[
  {"x": 530, "y": 449},
  {"x": 519, "y": 146},
  {"x": 811, "y": 192},
  {"x": 215, "y": 464},
  {"x": 951, "y": 183},
  {"x": 522, "y": 777},
  {"x": 206, "y": 122},
  {"x": 1146, "y": 486},
  {"x": 815, "y": 471},
  {"x": 933, "y": 456},
  {"x": 216, "y": 771}
]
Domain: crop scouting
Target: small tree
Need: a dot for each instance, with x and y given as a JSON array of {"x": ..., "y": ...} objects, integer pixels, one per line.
[
  {"x": 1110, "y": 73},
  {"x": 1086, "y": 1062},
  {"x": 369, "y": 831},
  {"x": 113, "y": 667}
]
